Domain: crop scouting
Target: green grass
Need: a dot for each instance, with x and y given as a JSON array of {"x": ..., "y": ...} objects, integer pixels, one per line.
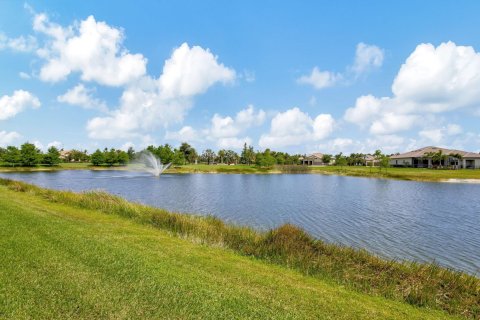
[
  {"x": 418, "y": 174},
  {"x": 355, "y": 273}
]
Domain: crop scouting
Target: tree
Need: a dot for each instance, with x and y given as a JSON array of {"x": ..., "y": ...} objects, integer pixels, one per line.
[
  {"x": 131, "y": 153},
  {"x": 208, "y": 156},
  {"x": 340, "y": 160},
  {"x": 265, "y": 159},
  {"x": 12, "y": 156},
  {"x": 111, "y": 157},
  {"x": 189, "y": 153},
  {"x": 29, "y": 155},
  {"x": 384, "y": 162},
  {"x": 165, "y": 153},
  {"x": 436, "y": 157},
  {"x": 231, "y": 157},
  {"x": 52, "y": 157},
  {"x": 326, "y": 158},
  {"x": 178, "y": 158},
  {"x": 97, "y": 158},
  {"x": 221, "y": 156},
  {"x": 122, "y": 157},
  {"x": 458, "y": 157}
]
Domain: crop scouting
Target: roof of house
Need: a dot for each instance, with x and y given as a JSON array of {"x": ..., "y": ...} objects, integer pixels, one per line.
[
  {"x": 369, "y": 157},
  {"x": 316, "y": 155},
  {"x": 422, "y": 151}
]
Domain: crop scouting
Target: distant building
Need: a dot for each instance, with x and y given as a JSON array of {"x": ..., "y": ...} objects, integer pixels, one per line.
[
  {"x": 371, "y": 161},
  {"x": 65, "y": 154},
  {"x": 420, "y": 159},
  {"x": 314, "y": 159}
]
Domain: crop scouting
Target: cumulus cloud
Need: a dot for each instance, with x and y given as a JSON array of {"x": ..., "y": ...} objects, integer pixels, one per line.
[
  {"x": 294, "y": 127},
  {"x": 191, "y": 71},
  {"x": 16, "y": 103},
  {"x": 185, "y": 134},
  {"x": 367, "y": 57},
  {"x": 432, "y": 80},
  {"x": 83, "y": 97},
  {"x": 225, "y": 131},
  {"x": 320, "y": 79},
  {"x": 8, "y": 138},
  {"x": 93, "y": 49},
  {"x": 151, "y": 103},
  {"x": 20, "y": 44},
  {"x": 56, "y": 144}
]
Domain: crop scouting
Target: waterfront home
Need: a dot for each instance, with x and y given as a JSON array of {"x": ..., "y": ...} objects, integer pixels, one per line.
[
  {"x": 65, "y": 154},
  {"x": 314, "y": 159},
  {"x": 371, "y": 161},
  {"x": 422, "y": 158}
]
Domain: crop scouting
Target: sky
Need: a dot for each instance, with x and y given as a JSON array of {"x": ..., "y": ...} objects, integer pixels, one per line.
[{"x": 300, "y": 77}]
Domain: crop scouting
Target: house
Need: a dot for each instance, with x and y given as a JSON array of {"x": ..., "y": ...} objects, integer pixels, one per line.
[
  {"x": 420, "y": 159},
  {"x": 65, "y": 154},
  {"x": 371, "y": 161},
  {"x": 314, "y": 159}
]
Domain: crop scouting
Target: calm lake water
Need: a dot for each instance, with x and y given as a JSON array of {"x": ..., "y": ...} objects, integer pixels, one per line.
[{"x": 395, "y": 219}]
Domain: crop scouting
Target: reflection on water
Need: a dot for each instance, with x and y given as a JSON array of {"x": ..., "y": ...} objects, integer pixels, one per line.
[{"x": 396, "y": 219}]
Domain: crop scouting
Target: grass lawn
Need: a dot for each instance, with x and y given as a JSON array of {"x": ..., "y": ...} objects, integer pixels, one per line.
[
  {"x": 400, "y": 173},
  {"x": 62, "y": 261}
]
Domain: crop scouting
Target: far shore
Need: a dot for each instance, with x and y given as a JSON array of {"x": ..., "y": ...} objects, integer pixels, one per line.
[{"x": 413, "y": 174}]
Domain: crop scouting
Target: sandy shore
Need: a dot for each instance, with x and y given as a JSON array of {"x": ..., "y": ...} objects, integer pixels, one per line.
[{"x": 462, "y": 180}]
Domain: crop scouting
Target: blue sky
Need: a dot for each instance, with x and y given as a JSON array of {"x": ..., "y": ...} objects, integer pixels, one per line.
[{"x": 316, "y": 76}]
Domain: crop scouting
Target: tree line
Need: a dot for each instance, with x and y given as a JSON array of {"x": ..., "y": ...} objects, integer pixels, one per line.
[{"x": 29, "y": 155}]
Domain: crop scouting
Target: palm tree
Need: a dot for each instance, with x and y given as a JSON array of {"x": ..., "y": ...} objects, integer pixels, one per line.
[{"x": 458, "y": 157}]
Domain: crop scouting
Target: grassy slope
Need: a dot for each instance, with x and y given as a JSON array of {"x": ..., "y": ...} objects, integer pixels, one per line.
[{"x": 57, "y": 261}]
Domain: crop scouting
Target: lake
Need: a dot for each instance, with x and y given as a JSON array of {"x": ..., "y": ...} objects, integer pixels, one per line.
[{"x": 419, "y": 221}]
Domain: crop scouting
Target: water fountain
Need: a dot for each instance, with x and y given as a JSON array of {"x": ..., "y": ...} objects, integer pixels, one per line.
[{"x": 152, "y": 163}]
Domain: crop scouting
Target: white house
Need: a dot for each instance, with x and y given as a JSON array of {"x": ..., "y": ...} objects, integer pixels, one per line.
[
  {"x": 419, "y": 159},
  {"x": 314, "y": 159}
]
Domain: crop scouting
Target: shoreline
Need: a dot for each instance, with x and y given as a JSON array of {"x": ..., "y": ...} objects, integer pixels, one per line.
[{"x": 405, "y": 174}]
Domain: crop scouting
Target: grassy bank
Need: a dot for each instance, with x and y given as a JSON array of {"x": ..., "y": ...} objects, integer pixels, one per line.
[
  {"x": 417, "y": 174},
  {"x": 419, "y": 285}
]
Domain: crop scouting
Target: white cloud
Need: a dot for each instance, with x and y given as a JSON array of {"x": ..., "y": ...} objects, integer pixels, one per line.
[
  {"x": 38, "y": 144},
  {"x": 294, "y": 127},
  {"x": 21, "y": 44},
  {"x": 151, "y": 103},
  {"x": 433, "y": 135},
  {"x": 320, "y": 79},
  {"x": 16, "y": 103},
  {"x": 24, "y": 75},
  {"x": 127, "y": 145},
  {"x": 233, "y": 142},
  {"x": 185, "y": 134},
  {"x": 191, "y": 71},
  {"x": 94, "y": 49},
  {"x": 81, "y": 96},
  {"x": 56, "y": 144},
  {"x": 453, "y": 129},
  {"x": 367, "y": 57},
  {"x": 440, "y": 78},
  {"x": 225, "y": 130},
  {"x": 432, "y": 80},
  {"x": 7, "y": 138}
]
